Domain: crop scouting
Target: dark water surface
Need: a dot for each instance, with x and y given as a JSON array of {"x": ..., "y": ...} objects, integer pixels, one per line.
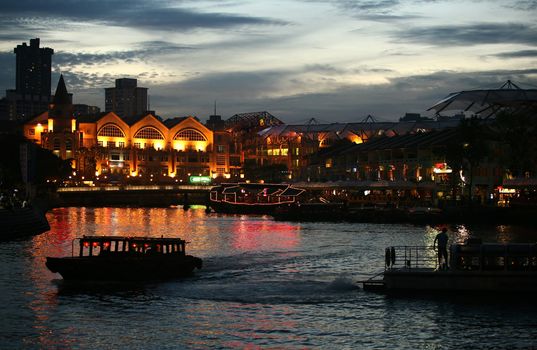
[{"x": 264, "y": 284}]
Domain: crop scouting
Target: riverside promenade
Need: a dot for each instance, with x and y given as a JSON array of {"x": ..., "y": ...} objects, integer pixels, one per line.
[{"x": 147, "y": 195}]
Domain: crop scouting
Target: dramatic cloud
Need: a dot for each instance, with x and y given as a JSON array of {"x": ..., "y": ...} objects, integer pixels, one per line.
[
  {"x": 146, "y": 50},
  {"x": 243, "y": 92},
  {"x": 157, "y": 15},
  {"x": 474, "y": 34},
  {"x": 336, "y": 60},
  {"x": 518, "y": 54}
]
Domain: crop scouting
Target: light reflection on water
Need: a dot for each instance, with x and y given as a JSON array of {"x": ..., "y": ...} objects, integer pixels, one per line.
[{"x": 264, "y": 284}]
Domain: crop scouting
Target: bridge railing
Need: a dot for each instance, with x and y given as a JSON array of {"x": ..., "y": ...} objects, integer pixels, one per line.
[{"x": 137, "y": 188}]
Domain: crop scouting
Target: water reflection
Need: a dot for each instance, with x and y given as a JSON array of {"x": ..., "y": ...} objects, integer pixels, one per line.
[{"x": 265, "y": 283}]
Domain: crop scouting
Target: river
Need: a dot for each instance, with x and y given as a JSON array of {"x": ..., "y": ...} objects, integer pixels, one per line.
[{"x": 264, "y": 284}]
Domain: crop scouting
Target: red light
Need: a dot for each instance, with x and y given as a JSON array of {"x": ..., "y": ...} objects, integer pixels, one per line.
[
  {"x": 95, "y": 244},
  {"x": 106, "y": 244},
  {"x": 146, "y": 245},
  {"x": 86, "y": 244},
  {"x": 134, "y": 245}
]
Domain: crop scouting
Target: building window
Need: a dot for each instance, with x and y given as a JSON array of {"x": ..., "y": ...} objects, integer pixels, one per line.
[
  {"x": 121, "y": 144},
  {"x": 56, "y": 144},
  {"x": 68, "y": 145},
  {"x": 111, "y": 130},
  {"x": 100, "y": 143},
  {"x": 31, "y": 132},
  {"x": 220, "y": 160},
  {"x": 126, "y": 156},
  {"x": 137, "y": 145},
  {"x": 220, "y": 171},
  {"x": 163, "y": 158},
  {"x": 111, "y": 143},
  {"x": 114, "y": 157},
  {"x": 149, "y": 133},
  {"x": 220, "y": 148},
  {"x": 189, "y": 135}
]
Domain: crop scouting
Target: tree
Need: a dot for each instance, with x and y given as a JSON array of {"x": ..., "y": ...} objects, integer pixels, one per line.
[
  {"x": 516, "y": 131},
  {"x": 273, "y": 173},
  {"x": 467, "y": 149}
]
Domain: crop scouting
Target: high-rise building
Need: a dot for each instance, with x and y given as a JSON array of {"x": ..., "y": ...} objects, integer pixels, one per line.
[
  {"x": 32, "y": 93},
  {"x": 33, "y": 69},
  {"x": 126, "y": 99}
]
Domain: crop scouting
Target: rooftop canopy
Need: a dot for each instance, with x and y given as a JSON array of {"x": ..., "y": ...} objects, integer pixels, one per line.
[{"x": 490, "y": 101}]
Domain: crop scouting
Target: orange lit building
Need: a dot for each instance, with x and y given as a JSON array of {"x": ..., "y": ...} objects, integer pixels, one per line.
[{"x": 123, "y": 148}]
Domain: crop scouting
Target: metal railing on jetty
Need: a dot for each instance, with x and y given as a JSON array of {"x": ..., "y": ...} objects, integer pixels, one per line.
[
  {"x": 410, "y": 257},
  {"x": 402, "y": 257}
]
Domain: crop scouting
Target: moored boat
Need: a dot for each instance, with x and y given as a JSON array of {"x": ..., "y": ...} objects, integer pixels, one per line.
[
  {"x": 310, "y": 212},
  {"x": 252, "y": 198},
  {"x": 22, "y": 222},
  {"x": 116, "y": 258},
  {"x": 474, "y": 267}
]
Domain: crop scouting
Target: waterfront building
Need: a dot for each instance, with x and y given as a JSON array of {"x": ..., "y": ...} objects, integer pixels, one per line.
[
  {"x": 147, "y": 146},
  {"x": 126, "y": 99},
  {"x": 295, "y": 145},
  {"x": 416, "y": 166},
  {"x": 56, "y": 129},
  {"x": 144, "y": 147},
  {"x": 32, "y": 93}
]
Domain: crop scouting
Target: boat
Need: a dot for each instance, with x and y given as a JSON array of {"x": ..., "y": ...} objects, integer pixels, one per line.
[
  {"x": 474, "y": 267},
  {"x": 18, "y": 222},
  {"x": 320, "y": 211},
  {"x": 252, "y": 198},
  {"x": 116, "y": 258}
]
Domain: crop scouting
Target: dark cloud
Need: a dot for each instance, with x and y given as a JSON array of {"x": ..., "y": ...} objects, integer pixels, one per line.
[
  {"x": 372, "y": 10},
  {"x": 367, "y": 5},
  {"x": 247, "y": 92},
  {"x": 474, "y": 34},
  {"x": 518, "y": 54},
  {"x": 524, "y": 5},
  {"x": 323, "y": 69},
  {"x": 145, "y": 51},
  {"x": 157, "y": 15}
]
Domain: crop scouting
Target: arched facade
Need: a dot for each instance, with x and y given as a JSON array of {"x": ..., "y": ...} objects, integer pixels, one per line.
[{"x": 147, "y": 146}]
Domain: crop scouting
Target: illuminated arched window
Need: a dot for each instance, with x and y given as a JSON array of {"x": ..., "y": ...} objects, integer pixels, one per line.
[
  {"x": 111, "y": 130},
  {"x": 149, "y": 133},
  {"x": 189, "y": 135}
]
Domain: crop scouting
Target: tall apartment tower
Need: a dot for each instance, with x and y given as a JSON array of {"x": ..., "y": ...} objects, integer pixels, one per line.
[
  {"x": 32, "y": 86},
  {"x": 33, "y": 69},
  {"x": 126, "y": 99}
]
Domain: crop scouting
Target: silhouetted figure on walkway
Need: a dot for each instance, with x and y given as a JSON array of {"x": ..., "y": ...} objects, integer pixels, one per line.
[{"x": 442, "y": 240}]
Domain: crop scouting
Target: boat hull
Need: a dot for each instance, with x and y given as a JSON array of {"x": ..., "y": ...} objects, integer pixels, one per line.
[
  {"x": 487, "y": 281},
  {"x": 123, "y": 268},
  {"x": 22, "y": 222},
  {"x": 311, "y": 212},
  {"x": 243, "y": 208}
]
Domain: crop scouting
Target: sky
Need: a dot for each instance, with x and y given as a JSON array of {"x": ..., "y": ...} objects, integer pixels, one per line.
[{"x": 332, "y": 60}]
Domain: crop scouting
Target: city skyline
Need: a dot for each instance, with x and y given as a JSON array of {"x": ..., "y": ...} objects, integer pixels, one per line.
[{"x": 336, "y": 61}]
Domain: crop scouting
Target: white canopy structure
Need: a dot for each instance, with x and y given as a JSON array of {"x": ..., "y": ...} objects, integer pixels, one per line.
[{"x": 488, "y": 102}]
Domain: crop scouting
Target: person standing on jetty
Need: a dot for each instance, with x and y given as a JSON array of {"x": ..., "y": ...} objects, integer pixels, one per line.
[{"x": 442, "y": 240}]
